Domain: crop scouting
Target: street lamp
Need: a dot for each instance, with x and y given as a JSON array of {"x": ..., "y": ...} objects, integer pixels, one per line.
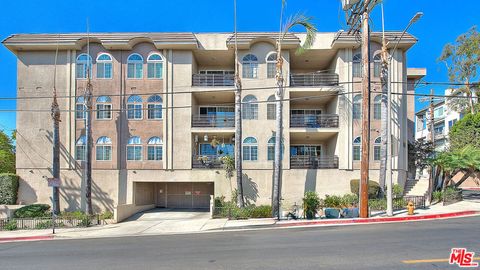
[{"x": 414, "y": 19}]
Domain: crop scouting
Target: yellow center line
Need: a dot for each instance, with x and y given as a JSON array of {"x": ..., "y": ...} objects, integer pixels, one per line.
[{"x": 433, "y": 260}]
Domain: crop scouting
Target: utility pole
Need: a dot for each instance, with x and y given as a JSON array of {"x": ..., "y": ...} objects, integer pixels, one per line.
[
  {"x": 365, "y": 160},
  {"x": 88, "y": 133},
  {"x": 55, "y": 113}
]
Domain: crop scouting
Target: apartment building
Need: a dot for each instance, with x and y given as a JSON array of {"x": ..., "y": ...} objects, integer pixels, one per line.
[
  {"x": 444, "y": 118},
  {"x": 163, "y": 115}
]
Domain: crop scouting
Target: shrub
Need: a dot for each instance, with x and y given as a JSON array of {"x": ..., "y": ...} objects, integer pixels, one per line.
[
  {"x": 437, "y": 196},
  {"x": 333, "y": 201},
  {"x": 32, "y": 211},
  {"x": 8, "y": 188},
  {"x": 373, "y": 188},
  {"x": 311, "y": 202},
  {"x": 11, "y": 225},
  {"x": 261, "y": 211},
  {"x": 73, "y": 215},
  {"x": 106, "y": 215},
  {"x": 377, "y": 204},
  {"x": 349, "y": 199},
  {"x": 44, "y": 225},
  {"x": 397, "y": 190}
]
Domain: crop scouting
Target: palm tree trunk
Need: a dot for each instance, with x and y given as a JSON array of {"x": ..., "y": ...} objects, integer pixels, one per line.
[
  {"x": 277, "y": 175},
  {"x": 238, "y": 141},
  {"x": 383, "y": 148}
]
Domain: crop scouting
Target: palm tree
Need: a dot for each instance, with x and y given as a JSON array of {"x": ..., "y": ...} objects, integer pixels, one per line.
[
  {"x": 238, "y": 120},
  {"x": 305, "y": 22}
]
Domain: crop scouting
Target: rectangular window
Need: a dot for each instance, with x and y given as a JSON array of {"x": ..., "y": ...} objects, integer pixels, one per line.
[
  {"x": 356, "y": 152},
  {"x": 104, "y": 111},
  {"x": 357, "y": 111},
  {"x": 154, "y": 111},
  {"x": 154, "y": 70},
  {"x": 376, "y": 69},
  {"x": 104, "y": 70},
  {"x": 250, "y": 153},
  {"x": 376, "y": 152},
  {"x": 250, "y": 111},
  {"x": 271, "y": 70},
  {"x": 134, "y": 152},
  {"x": 271, "y": 152},
  {"x": 357, "y": 69},
  {"x": 271, "y": 111},
  {"x": 154, "y": 153},
  {"x": 104, "y": 152},
  {"x": 250, "y": 70},
  {"x": 80, "y": 111},
  {"x": 451, "y": 123},
  {"x": 135, "y": 70},
  {"x": 80, "y": 152},
  {"x": 134, "y": 111},
  {"x": 377, "y": 111}
]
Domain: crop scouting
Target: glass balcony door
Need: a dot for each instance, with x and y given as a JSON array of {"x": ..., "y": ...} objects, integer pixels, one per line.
[{"x": 218, "y": 116}]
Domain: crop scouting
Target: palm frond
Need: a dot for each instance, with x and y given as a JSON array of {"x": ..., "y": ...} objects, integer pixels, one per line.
[{"x": 301, "y": 19}]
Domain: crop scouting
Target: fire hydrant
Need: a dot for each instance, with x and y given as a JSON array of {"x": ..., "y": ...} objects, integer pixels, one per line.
[{"x": 410, "y": 207}]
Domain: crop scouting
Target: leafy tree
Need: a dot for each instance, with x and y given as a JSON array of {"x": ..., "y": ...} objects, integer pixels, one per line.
[
  {"x": 7, "y": 154},
  {"x": 462, "y": 60},
  {"x": 420, "y": 151},
  {"x": 465, "y": 132}
]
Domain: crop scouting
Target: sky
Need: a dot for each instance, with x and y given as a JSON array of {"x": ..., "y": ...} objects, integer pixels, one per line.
[{"x": 442, "y": 22}]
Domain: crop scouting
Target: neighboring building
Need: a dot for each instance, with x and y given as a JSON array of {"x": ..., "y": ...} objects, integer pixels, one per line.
[
  {"x": 444, "y": 118},
  {"x": 162, "y": 98}
]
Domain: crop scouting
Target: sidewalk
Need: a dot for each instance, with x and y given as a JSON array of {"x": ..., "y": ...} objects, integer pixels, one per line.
[{"x": 203, "y": 224}]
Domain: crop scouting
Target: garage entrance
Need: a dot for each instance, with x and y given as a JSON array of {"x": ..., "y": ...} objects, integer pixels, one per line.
[{"x": 183, "y": 195}]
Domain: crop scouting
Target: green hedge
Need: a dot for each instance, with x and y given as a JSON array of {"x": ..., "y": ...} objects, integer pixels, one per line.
[
  {"x": 32, "y": 211},
  {"x": 8, "y": 188},
  {"x": 373, "y": 188}
]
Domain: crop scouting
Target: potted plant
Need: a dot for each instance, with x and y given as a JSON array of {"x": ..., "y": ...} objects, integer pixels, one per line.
[{"x": 311, "y": 203}]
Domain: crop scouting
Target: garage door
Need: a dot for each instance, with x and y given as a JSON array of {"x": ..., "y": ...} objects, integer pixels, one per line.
[{"x": 188, "y": 195}]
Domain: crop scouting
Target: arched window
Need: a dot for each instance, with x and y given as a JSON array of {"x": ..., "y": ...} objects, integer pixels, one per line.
[
  {"x": 271, "y": 108},
  {"x": 80, "y": 148},
  {"x": 357, "y": 107},
  {"x": 250, "y": 107},
  {"x": 155, "y": 66},
  {"x": 357, "y": 65},
  {"x": 84, "y": 65},
  {"x": 134, "y": 148},
  {"x": 377, "y": 145},
  {"x": 357, "y": 148},
  {"x": 377, "y": 107},
  {"x": 377, "y": 65},
  {"x": 271, "y": 64},
  {"x": 104, "y": 148},
  {"x": 250, "y": 149},
  {"x": 104, "y": 108},
  {"x": 80, "y": 108},
  {"x": 134, "y": 107},
  {"x": 271, "y": 149},
  {"x": 104, "y": 66},
  {"x": 154, "y": 107},
  {"x": 155, "y": 149},
  {"x": 250, "y": 66},
  {"x": 135, "y": 66}
]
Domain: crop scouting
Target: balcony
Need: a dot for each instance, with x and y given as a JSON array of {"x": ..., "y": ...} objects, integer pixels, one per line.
[
  {"x": 313, "y": 162},
  {"x": 206, "y": 161},
  {"x": 213, "y": 121},
  {"x": 212, "y": 80},
  {"x": 313, "y": 79},
  {"x": 314, "y": 121}
]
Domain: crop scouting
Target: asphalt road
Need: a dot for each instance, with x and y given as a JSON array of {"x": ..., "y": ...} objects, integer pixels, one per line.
[{"x": 379, "y": 246}]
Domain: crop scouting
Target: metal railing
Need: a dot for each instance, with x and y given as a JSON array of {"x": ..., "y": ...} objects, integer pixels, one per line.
[
  {"x": 206, "y": 161},
  {"x": 313, "y": 79},
  {"x": 313, "y": 162},
  {"x": 46, "y": 222},
  {"x": 212, "y": 80},
  {"x": 314, "y": 121},
  {"x": 213, "y": 121}
]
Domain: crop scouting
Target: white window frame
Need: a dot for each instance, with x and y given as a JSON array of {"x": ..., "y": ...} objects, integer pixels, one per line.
[
  {"x": 135, "y": 146},
  {"x": 154, "y": 103},
  {"x": 154, "y": 65},
  {"x": 86, "y": 66},
  {"x": 357, "y": 103},
  {"x": 250, "y": 108},
  {"x": 103, "y": 110},
  {"x": 103, "y": 146},
  {"x": 271, "y": 61},
  {"x": 357, "y": 144},
  {"x": 377, "y": 107},
  {"x": 104, "y": 63},
  {"x": 249, "y": 146},
  {"x": 357, "y": 65},
  {"x": 135, "y": 67},
  {"x": 134, "y": 109},
  {"x": 377, "y": 65},
  {"x": 272, "y": 108},
  {"x": 250, "y": 66},
  {"x": 155, "y": 145},
  {"x": 80, "y": 101},
  {"x": 81, "y": 143},
  {"x": 377, "y": 146}
]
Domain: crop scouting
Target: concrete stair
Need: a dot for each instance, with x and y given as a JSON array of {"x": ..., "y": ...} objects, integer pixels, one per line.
[{"x": 416, "y": 187}]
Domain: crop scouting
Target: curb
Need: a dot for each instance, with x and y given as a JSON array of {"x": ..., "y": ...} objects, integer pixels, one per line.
[
  {"x": 26, "y": 238},
  {"x": 381, "y": 219}
]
